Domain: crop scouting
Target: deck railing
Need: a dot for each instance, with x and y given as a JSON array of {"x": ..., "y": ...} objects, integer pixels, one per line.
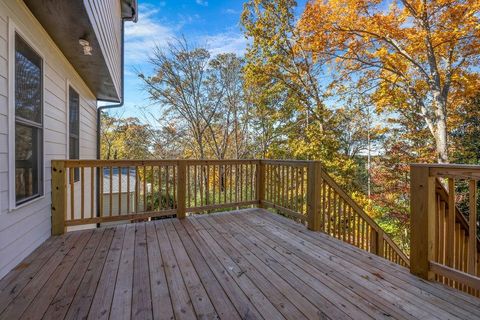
[
  {"x": 134, "y": 190},
  {"x": 445, "y": 244}
]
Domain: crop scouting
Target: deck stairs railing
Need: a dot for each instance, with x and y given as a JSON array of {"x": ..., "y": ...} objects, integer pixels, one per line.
[{"x": 445, "y": 244}]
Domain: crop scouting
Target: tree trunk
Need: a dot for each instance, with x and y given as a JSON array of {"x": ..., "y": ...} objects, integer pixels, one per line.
[{"x": 441, "y": 143}]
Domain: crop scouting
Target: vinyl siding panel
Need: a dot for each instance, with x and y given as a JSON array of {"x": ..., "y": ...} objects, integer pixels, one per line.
[
  {"x": 3, "y": 27},
  {"x": 25, "y": 228},
  {"x": 3, "y": 67},
  {"x": 3, "y": 124},
  {"x": 3, "y": 104},
  {"x": 3, "y": 86}
]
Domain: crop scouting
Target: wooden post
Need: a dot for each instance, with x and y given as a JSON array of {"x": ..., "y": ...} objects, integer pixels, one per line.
[
  {"x": 59, "y": 197},
  {"x": 376, "y": 242},
  {"x": 422, "y": 215},
  {"x": 260, "y": 183},
  {"x": 472, "y": 228},
  {"x": 314, "y": 185},
  {"x": 181, "y": 189}
]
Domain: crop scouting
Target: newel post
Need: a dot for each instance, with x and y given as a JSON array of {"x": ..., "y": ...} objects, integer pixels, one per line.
[
  {"x": 376, "y": 241},
  {"x": 260, "y": 181},
  {"x": 59, "y": 197},
  {"x": 422, "y": 221},
  {"x": 181, "y": 189},
  {"x": 314, "y": 185}
]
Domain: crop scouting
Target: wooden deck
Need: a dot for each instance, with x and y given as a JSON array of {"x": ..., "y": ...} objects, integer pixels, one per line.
[{"x": 248, "y": 264}]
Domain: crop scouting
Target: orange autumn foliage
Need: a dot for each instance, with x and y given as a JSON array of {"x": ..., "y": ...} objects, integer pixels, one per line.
[{"x": 417, "y": 56}]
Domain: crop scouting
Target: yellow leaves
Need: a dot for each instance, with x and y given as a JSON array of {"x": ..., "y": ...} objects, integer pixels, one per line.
[{"x": 404, "y": 43}]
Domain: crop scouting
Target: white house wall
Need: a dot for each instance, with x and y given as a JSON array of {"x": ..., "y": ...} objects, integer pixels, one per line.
[{"x": 25, "y": 228}]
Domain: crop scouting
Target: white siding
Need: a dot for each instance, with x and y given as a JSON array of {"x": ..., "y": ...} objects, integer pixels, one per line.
[
  {"x": 106, "y": 17},
  {"x": 23, "y": 229}
]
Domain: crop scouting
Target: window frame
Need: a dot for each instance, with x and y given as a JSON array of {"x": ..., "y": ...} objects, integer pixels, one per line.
[
  {"x": 70, "y": 87},
  {"x": 13, "y": 31}
]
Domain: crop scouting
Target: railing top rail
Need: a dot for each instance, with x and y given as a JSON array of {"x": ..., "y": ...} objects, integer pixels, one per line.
[
  {"x": 124, "y": 163},
  {"x": 113, "y": 163},
  {"x": 302, "y": 163},
  {"x": 462, "y": 171},
  {"x": 446, "y": 165}
]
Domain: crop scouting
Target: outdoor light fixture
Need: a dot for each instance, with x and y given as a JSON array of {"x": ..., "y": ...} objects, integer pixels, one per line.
[{"x": 87, "y": 49}]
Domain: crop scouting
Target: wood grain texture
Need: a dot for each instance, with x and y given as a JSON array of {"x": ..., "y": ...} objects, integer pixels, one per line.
[{"x": 244, "y": 264}]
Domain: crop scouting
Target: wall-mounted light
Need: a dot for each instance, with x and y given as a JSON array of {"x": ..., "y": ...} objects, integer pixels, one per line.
[{"x": 87, "y": 49}]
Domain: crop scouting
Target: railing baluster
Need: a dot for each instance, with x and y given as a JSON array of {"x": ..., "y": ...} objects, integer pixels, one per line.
[
  {"x": 119, "y": 191},
  {"x": 472, "y": 227},
  {"x": 189, "y": 186},
  {"x": 152, "y": 188},
  {"x": 71, "y": 172},
  {"x": 82, "y": 193},
  {"x": 101, "y": 175},
  {"x": 167, "y": 184},
  {"x": 144, "y": 189},
  {"x": 174, "y": 188},
  {"x": 160, "y": 188},
  {"x": 195, "y": 183},
  {"x": 137, "y": 189},
  {"x": 230, "y": 181},
  {"x": 224, "y": 183},
  {"x": 92, "y": 191},
  {"x": 213, "y": 183},
  {"x": 450, "y": 258},
  {"x": 128, "y": 190},
  {"x": 110, "y": 196}
]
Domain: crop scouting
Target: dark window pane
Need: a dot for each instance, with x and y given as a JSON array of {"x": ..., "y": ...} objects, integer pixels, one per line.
[
  {"x": 28, "y": 162},
  {"x": 74, "y": 127},
  {"x": 74, "y": 108},
  {"x": 74, "y": 147},
  {"x": 28, "y": 82},
  {"x": 74, "y": 154}
]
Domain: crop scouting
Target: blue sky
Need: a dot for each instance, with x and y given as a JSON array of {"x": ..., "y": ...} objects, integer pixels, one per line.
[{"x": 214, "y": 23}]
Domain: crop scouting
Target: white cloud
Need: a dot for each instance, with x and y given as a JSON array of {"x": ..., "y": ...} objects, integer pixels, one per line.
[
  {"x": 229, "y": 42},
  {"x": 231, "y": 11},
  {"x": 202, "y": 3},
  {"x": 142, "y": 37}
]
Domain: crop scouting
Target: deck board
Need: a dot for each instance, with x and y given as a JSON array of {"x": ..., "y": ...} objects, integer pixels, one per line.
[
  {"x": 248, "y": 264},
  {"x": 441, "y": 295}
]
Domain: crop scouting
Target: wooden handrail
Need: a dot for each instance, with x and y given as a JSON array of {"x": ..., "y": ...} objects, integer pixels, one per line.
[
  {"x": 380, "y": 243},
  {"x": 444, "y": 244},
  {"x": 304, "y": 191},
  {"x": 143, "y": 189}
]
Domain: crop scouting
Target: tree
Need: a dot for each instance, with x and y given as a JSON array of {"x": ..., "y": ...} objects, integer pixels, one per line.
[
  {"x": 125, "y": 138},
  {"x": 276, "y": 58},
  {"x": 466, "y": 134},
  {"x": 284, "y": 85},
  {"x": 228, "y": 129},
  {"x": 416, "y": 55},
  {"x": 179, "y": 84},
  {"x": 202, "y": 96}
]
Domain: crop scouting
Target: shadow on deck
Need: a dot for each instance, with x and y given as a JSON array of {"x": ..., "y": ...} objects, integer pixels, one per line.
[{"x": 235, "y": 265}]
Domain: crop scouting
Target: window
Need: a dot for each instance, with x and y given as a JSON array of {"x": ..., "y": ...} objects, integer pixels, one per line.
[
  {"x": 74, "y": 128},
  {"x": 28, "y": 122}
]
